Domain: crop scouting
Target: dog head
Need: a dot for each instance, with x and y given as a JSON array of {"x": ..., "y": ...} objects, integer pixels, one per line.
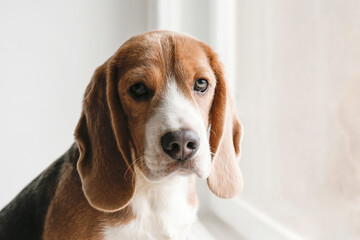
[{"x": 159, "y": 104}]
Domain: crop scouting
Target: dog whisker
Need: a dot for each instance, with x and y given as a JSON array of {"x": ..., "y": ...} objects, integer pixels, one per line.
[{"x": 134, "y": 161}]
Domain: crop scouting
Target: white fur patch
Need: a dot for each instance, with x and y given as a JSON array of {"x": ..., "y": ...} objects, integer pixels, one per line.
[
  {"x": 175, "y": 112},
  {"x": 161, "y": 209},
  {"x": 160, "y": 203}
]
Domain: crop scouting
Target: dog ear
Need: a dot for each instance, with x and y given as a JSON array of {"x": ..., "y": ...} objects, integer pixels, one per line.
[
  {"x": 103, "y": 139},
  {"x": 225, "y": 179}
]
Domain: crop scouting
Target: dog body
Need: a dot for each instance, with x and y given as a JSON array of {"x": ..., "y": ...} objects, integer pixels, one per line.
[
  {"x": 155, "y": 114},
  {"x": 164, "y": 210}
]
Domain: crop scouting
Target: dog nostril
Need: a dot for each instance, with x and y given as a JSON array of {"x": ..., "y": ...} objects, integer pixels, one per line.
[
  {"x": 192, "y": 145},
  {"x": 174, "y": 147}
]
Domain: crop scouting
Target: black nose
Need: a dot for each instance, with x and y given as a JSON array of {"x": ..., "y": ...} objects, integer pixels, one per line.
[{"x": 180, "y": 145}]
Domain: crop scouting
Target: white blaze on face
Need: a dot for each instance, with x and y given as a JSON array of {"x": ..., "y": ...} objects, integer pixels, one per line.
[{"x": 175, "y": 112}]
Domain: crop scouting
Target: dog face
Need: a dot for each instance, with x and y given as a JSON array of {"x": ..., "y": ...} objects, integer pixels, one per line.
[
  {"x": 167, "y": 95},
  {"x": 151, "y": 106}
]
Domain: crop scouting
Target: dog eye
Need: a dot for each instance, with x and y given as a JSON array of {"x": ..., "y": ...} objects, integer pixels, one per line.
[
  {"x": 138, "y": 90},
  {"x": 201, "y": 85}
]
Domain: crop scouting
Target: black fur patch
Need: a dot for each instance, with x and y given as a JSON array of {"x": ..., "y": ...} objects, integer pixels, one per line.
[{"x": 23, "y": 217}]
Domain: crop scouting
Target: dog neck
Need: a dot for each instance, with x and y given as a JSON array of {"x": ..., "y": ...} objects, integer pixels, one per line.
[{"x": 163, "y": 210}]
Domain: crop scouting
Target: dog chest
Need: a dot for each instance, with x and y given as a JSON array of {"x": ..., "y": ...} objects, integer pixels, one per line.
[{"x": 161, "y": 212}]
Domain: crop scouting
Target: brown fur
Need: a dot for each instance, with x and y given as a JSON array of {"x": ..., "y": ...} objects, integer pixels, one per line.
[
  {"x": 225, "y": 179},
  {"x": 70, "y": 217},
  {"x": 99, "y": 190},
  {"x": 103, "y": 139}
]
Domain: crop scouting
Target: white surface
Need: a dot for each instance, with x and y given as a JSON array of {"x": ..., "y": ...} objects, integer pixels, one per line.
[
  {"x": 164, "y": 14},
  {"x": 218, "y": 228},
  {"x": 249, "y": 222},
  {"x": 200, "y": 232},
  {"x": 298, "y": 97},
  {"x": 49, "y": 50},
  {"x": 297, "y": 85},
  {"x": 223, "y": 35}
]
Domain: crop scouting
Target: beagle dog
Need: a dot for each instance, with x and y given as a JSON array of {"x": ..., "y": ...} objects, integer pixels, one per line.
[{"x": 155, "y": 115}]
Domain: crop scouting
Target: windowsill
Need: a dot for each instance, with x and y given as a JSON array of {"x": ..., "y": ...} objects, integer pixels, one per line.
[{"x": 210, "y": 227}]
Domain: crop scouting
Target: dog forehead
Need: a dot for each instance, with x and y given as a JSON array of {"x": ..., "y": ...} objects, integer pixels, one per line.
[
  {"x": 164, "y": 49},
  {"x": 156, "y": 59}
]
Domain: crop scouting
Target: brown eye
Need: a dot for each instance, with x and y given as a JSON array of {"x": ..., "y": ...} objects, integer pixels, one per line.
[
  {"x": 201, "y": 85},
  {"x": 139, "y": 91}
]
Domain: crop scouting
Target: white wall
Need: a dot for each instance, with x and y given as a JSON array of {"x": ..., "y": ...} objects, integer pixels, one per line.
[
  {"x": 297, "y": 91},
  {"x": 48, "y": 52},
  {"x": 299, "y": 99}
]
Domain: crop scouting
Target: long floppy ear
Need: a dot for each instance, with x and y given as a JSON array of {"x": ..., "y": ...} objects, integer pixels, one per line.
[
  {"x": 103, "y": 139},
  {"x": 225, "y": 180}
]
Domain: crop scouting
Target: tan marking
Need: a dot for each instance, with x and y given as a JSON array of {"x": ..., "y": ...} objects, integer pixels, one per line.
[
  {"x": 163, "y": 55},
  {"x": 192, "y": 196},
  {"x": 70, "y": 217},
  {"x": 151, "y": 58}
]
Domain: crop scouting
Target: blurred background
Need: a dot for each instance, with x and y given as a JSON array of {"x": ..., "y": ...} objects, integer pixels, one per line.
[{"x": 294, "y": 67}]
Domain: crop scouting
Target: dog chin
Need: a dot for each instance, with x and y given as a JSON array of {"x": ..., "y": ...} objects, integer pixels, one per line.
[
  {"x": 159, "y": 177},
  {"x": 175, "y": 169}
]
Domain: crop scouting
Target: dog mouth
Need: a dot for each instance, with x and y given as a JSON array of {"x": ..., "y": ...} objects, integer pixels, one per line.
[
  {"x": 159, "y": 171},
  {"x": 184, "y": 167}
]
